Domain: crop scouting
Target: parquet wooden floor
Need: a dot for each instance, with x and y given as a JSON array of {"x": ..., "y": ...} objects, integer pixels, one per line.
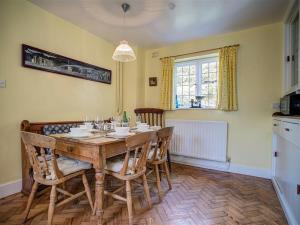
[{"x": 198, "y": 197}]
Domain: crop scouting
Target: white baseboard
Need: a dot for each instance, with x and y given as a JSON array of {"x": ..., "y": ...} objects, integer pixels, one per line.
[
  {"x": 222, "y": 166},
  {"x": 288, "y": 213},
  {"x": 10, "y": 188},
  {"x": 251, "y": 171}
]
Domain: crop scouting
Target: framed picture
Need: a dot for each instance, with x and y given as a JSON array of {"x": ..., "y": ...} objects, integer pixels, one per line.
[
  {"x": 152, "y": 81},
  {"x": 39, "y": 59}
]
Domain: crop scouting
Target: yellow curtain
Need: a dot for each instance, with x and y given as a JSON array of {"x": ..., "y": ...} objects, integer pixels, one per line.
[
  {"x": 227, "y": 81},
  {"x": 166, "y": 92}
]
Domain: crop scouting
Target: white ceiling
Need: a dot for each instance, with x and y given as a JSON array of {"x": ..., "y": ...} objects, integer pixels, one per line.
[{"x": 151, "y": 23}]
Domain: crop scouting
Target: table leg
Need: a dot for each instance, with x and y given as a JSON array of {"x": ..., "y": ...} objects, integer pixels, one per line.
[{"x": 99, "y": 196}]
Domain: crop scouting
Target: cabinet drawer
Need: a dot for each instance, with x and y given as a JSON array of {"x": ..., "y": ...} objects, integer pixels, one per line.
[
  {"x": 291, "y": 131},
  {"x": 80, "y": 150},
  {"x": 276, "y": 126}
]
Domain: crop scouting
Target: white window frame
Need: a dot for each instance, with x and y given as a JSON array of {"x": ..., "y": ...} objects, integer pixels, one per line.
[{"x": 197, "y": 62}]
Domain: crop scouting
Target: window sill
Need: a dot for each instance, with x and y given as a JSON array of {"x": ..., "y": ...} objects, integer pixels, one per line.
[{"x": 195, "y": 109}]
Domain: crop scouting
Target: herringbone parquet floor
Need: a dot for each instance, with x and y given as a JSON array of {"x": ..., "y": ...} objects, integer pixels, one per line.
[{"x": 198, "y": 197}]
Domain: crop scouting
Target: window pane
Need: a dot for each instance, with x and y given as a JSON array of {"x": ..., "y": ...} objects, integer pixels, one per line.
[
  {"x": 205, "y": 68},
  {"x": 179, "y": 70},
  {"x": 186, "y": 101},
  {"x": 204, "y": 101},
  {"x": 192, "y": 80},
  {"x": 211, "y": 89},
  {"x": 212, "y": 101},
  {"x": 192, "y": 89},
  {"x": 185, "y": 70},
  {"x": 204, "y": 89},
  {"x": 179, "y": 90},
  {"x": 185, "y": 90},
  {"x": 179, "y": 80},
  {"x": 193, "y": 70},
  {"x": 212, "y": 76},
  {"x": 185, "y": 80},
  {"x": 204, "y": 77},
  {"x": 213, "y": 67}
]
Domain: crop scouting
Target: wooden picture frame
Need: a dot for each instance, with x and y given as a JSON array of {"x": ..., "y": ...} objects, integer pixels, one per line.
[
  {"x": 152, "y": 81},
  {"x": 39, "y": 59}
]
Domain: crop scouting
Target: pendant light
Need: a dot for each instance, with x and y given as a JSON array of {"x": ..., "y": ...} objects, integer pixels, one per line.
[{"x": 124, "y": 53}]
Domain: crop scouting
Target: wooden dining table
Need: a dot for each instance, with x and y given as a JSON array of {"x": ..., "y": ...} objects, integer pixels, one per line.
[{"x": 95, "y": 150}]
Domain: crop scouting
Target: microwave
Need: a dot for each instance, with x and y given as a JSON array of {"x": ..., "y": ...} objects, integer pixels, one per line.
[{"x": 290, "y": 104}]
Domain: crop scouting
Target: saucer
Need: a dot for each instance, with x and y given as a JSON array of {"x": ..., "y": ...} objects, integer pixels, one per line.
[
  {"x": 116, "y": 135},
  {"x": 144, "y": 130},
  {"x": 80, "y": 135}
]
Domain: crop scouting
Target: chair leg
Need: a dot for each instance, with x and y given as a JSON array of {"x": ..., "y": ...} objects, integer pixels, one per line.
[
  {"x": 169, "y": 161},
  {"x": 158, "y": 181},
  {"x": 51, "y": 205},
  {"x": 146, "y": 189},
  {"x": 129, "y": 202},
  {"x": 168, "y": 175},
  {"x": 87, "y": 190},
  {"x": 30, "y": 199}
]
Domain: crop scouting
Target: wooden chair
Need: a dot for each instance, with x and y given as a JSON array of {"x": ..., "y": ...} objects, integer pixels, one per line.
[
  {"x": 153, "y": 117},
  {"x": 52, "y": 172},
  {"x": 132, "y": 167},
  {"x": 158, "y": 156}
]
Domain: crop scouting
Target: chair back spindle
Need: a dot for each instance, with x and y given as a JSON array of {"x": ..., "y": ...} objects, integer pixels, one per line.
[
  {"x": 151, "y": 116},
  {"x": 140, "y": 145},
  {"x": 36, "y": 146},
  {"x": 164, "y": 136}
]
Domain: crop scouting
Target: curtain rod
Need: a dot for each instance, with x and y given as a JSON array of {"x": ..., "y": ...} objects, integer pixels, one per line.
[{"x": 208, "y": 50}]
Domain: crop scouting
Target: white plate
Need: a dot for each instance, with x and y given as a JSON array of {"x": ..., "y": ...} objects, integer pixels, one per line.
[
  {"x": 82, "y": 135},
  {"x": 144, "y": 130},
  {"x": 115, "y": 135}
]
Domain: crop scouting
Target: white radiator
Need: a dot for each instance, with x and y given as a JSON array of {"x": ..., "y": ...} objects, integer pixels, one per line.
[{"x": 199, "y": 139}]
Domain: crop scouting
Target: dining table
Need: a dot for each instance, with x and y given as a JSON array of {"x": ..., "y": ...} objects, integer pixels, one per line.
[{"x": 95, "y": 149}]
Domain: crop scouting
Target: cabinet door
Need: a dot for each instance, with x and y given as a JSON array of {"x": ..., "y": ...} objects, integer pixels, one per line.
[
  {"x": 294, "y": 50},
  {"x": 287, "y": 174},
  {"x": 292, "y": 76}
]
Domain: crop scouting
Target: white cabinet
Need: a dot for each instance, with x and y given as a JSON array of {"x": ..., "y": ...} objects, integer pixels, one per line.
[
  {"x": 286, "y": 166},
  {"x": 292, "y": 75}
]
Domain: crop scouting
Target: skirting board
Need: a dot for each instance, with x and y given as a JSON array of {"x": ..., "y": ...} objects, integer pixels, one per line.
[
  {"x": 288, "y": 214},
  {"x": 10, "y": 188},
  {"x": 223, "y": 166}
]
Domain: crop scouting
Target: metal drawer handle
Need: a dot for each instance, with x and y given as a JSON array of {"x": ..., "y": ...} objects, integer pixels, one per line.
[
  {"x": 287, "y": 129},
  {"x": 70, "y": 148}
]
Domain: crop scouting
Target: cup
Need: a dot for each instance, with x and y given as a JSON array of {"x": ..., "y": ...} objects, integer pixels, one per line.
[{"x": 122, "y": 130}]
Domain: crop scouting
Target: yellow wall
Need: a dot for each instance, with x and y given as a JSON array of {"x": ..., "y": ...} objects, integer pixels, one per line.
[
  {"x": 133, "y": 80},
  {"x": 259, "y": 85},
  {"x": 41, "y": 96}
]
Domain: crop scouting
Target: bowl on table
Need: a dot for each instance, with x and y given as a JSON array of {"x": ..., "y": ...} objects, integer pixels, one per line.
[
  {"x": 122, "y": 130},
  {"x": 78, "y": 132}
]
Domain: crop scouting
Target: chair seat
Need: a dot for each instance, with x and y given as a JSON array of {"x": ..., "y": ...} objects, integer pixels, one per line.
[
  {"x": 117, "y": 165},
  {"x": 67, "y": 166},
  {"x": 151, "y": 153}
]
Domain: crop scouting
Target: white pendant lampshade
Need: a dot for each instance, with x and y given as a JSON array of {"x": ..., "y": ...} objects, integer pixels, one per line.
[{"x": 124, "y": 53}]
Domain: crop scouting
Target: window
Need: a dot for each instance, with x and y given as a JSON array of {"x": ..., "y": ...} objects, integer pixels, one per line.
[{"x": 196, "y": 82}]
